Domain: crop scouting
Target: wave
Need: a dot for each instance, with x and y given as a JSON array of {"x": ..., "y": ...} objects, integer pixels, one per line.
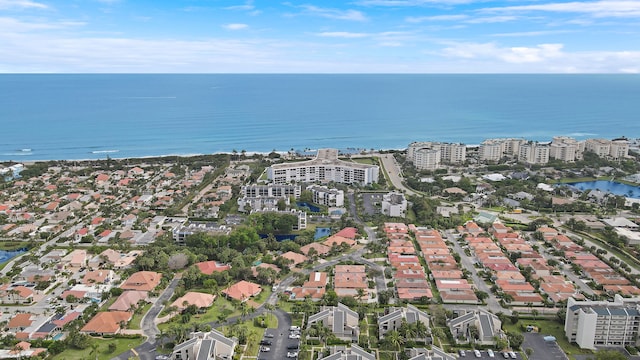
[
  {"x": 104, "y": 151},
  {"x": 24, "y": 150},
  {"x": 21, "y": 153},
  {"x": 581, "y": 134}
]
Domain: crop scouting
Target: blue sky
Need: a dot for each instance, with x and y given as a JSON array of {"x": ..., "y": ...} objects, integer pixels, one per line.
[{"x": 358, "y": 36}]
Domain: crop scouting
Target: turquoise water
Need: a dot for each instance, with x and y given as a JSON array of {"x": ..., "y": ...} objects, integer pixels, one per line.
[
  {"x": 610, "y": 186},
  {"x": 8, "y": 255},
  {"x": 95, "y": 116}
]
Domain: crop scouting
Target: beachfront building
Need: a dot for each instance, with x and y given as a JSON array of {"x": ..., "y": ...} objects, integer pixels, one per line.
[
  {"x": 394, "y": 204},
  {"x": 326, "y": 167},
  {"x": 600, "y": 147},
  {"x": 533, "y": 152},
  {"x": 566, "y": 149},
  {"x": 592, "y": 324},
  {"x": 619, "y": 148},
  {"x": 429, "y": 155},
  {"x": 205, "y": 346},
  {"x": 492, "y": 150},
  {"x": 325, "y": 196},
  {"x": 266, "y": 197}
]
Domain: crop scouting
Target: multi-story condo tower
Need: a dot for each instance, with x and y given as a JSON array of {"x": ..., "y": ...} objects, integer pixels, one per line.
[
  {"x": 326, "y": 167},
  {"x": 602, "y": 323}
]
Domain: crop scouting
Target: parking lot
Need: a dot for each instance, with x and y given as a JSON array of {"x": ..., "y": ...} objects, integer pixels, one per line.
[
  {"x": 542, "y": 350},
  {"x": 279, "y": 343},
  {"x": 484, "y": 354},
  {"x": 371, "y": 203}
]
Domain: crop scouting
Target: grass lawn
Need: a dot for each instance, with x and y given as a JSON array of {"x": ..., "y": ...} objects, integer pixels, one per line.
[
  {"x": 549, "y": 327},
  {"x": 134, "y": 324},
  {"x": 366, "y": 161},
  {"x": 122, "y": 345},
  {"x": 258, "y": 332},
  {"x": 210, "y": 316},
  {"x": 108, "y": 303}
]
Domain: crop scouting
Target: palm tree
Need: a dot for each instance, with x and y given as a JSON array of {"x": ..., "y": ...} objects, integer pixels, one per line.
[
  {"x": 360, "y": 294},
  {"x": 94, "y": 350},
  {"x": 394, "y": 339}
]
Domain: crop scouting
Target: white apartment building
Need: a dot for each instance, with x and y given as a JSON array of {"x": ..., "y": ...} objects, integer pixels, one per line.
[
  {"x": 619, "y": 148},
  {"x": 328, "y": 197},
  {"x": 534, "y": 153},
  {"x": 280, "y": 191},
  {"x": 324, "y": 168},
  {"x": 341, "y": 320},
  {"x": 427, "y": 159},
  {"x": 495, "y": 149},
  {"x": 394, "y": 204},
  {"x": 395, "y": 317},
  {"x": 591, "y": 324},
  {"x": 566, "y": 149},
  {"x": 429, "y": 155},
  {"x": 600, "y": 147}
]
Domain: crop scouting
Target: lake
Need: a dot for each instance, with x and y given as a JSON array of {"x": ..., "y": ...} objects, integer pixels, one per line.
[
  {"x": 609, "y": 186},
  {"x": 8, "y": 255}
]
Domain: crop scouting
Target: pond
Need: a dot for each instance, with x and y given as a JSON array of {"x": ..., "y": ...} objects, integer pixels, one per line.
[
  {"x": 8, "y": 255},
  {"x": 613, "y": 187}
]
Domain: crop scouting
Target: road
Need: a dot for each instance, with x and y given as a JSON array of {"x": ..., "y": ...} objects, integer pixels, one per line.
[
  {"x": 149, "y": 328},
  {"x": 492, "y": 303},
  {"x": 394, "y": 171}
]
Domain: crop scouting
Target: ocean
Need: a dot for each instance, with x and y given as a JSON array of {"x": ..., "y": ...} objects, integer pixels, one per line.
[{"x": 84, "y": 116}]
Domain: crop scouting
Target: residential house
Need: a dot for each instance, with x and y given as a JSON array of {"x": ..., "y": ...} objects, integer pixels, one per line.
[
  {"x": 242, "y": 290},
  {"x": 129, "y": 300},
  {"x": 107, "y": 322},
  {"x": 142, "y": 281},
  {"x": 341, "y": 320},
  {"x": 487, "y": 326},
  {"x": 395, "y": 316},
  {"x": 313, "y": 288},
  {"x": 355, "y": 352},
  {"x": 294, "y": 258},
  {"x": 198, "y": 299},
  {"x": 212, "y": 345},
  {"x": 209, "y": 267}
]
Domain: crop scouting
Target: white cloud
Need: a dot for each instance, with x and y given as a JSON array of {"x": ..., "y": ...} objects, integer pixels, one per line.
[
  {"x": 411, "y": 3},
  {"x": 532, "y": 33},
  {"x": 329, "y": 13},
  {"x": 235, "y": 26},
  {"x": 21, "y": 4},
  {"x": 518, "y": 54},
  {"x": 419, "y": 19},
  {"x": 492, "y": 19},
  {"x": 11, "y": 25},
  {"x": 343, "y": 34},
  {"x": 598, "y": 9}
]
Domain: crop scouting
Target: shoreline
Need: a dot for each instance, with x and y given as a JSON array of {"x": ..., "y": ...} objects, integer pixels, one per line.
[{"x": 247, "y": 154}]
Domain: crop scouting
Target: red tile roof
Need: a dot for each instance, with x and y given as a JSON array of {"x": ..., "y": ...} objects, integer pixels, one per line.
[
  {"x": 107, "y": 322},
  {"x": 142, "y": 280},
  {"x": 209, "y": 267},
  {"x": 242, "y": 290}
]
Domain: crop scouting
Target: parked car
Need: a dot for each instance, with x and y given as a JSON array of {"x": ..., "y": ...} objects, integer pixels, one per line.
[
  {"x": 294, "y": 336},
  {"x": 477, "y": 353},
  {"x": 294, "y": 328},
  {"x": 462, "y": 353},
  {"x": 268, "y": 335},
  {"x": 265, "y": 342},
  {"x": 265, "y": 349},
  {"x": 292, "y": 347},
  {"x": 490, "y": 353},
  {"x": 292, "y": 354},
  {"x": 505, "y": 354},
  {"x": 513, "y": 355}
]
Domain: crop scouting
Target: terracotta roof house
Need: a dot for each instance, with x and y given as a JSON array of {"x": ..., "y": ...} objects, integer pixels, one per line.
[
  {"x": 242, "y": 290},
  {"x": 294, "y": 257},
  {"x": 209, "y": 267},
  {"x": 254, "y": 269},
  {"x": 19, "y": 322},
  {"x": 200, "y": 300},
  {"x": 98, "y": 277},
  {"x": 127, "y": 300},
  {"x": 338, "y": 240},
  {"x": 107, "y": 322},
  {"x": 320, "y": 249},
  {"x": 348, "y": 232},
  {"x": 314, "y": 288},
  {"x": 142, "y": 280},
  {"x": 76, "y": 259}
]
